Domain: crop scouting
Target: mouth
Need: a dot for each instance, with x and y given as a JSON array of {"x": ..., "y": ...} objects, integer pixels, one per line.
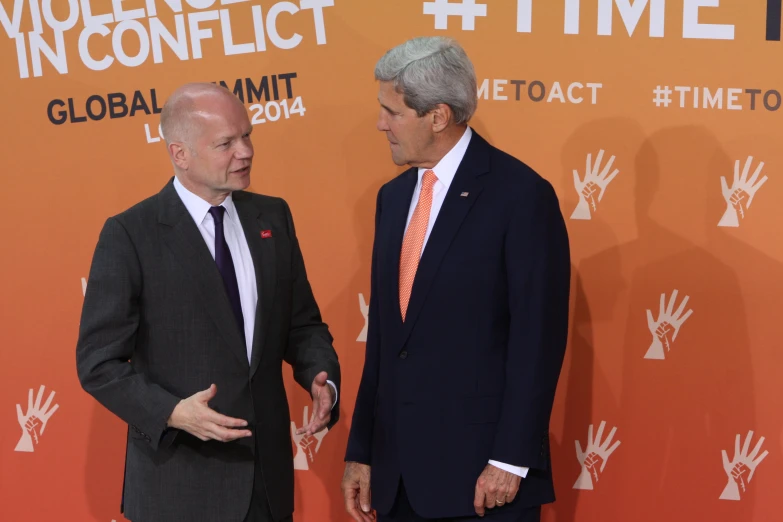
[{"x": 242, "y": 172}]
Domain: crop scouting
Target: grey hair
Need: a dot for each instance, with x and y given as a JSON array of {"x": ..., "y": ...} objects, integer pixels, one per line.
[{"x": 431, "y": 70}]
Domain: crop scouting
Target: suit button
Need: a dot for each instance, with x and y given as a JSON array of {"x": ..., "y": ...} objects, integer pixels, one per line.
[{"x": 403, "y": 354}]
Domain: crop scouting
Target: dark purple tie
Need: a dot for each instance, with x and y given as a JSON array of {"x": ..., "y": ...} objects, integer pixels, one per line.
[{"x": 225, "y": 264}]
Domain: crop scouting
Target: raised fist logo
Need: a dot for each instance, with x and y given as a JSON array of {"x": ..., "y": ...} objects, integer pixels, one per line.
[
  {"x": 740, "y": 195},
  {"x": 664, "y": 330},
  {"x": 306, "y": 446},
  {"x": 33, "y": 423},
  {"x": 593, "y": 458},
  {"x": 592, "y": 188},
  {"x": 741, "y": 469}
]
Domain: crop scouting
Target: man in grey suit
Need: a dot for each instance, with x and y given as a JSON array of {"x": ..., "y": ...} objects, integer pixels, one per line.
[{"x": 195, "y": 298}]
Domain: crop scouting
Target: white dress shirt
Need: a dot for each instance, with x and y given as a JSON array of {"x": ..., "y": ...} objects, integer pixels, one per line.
[
  {"x": 445, "y": 171},
  {"x": 237, "y": 244},
  {"x": 240, "y": 255}
]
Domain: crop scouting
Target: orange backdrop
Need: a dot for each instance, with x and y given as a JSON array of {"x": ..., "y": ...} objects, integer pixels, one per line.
[{"x": 681, "y": 385}]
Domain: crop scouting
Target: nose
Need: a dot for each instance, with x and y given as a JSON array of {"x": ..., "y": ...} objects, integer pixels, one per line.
[
  {"x": 244, "y": 149},
  {"x": 382, "y": 125}
]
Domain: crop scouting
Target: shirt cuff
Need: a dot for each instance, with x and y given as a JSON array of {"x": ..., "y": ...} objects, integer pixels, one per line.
[
  {"x": 335, "y": 392},
  {"x": 516, "y": 470}
]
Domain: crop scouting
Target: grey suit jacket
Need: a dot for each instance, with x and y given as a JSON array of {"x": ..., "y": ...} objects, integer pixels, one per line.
[{"x": 157, "y": 327}]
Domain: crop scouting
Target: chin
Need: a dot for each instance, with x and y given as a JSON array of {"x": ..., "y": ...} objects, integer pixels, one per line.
[
  {"x": 399, "y": 161},
  {"x": 240, "y": 182}
]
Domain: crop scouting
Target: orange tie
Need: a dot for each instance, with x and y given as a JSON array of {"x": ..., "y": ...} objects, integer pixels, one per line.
[{"x": 414, "y": 240}]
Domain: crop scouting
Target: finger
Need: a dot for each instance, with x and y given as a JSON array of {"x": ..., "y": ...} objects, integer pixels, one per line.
[
  {"x": 48, "y": 402},
  {"x": 726, "y": 463},
  {"x": 759, "y": 184},
  {"x": 609, "y": 439},
  {"x": 723, "y": 185},
  {"x": 589, "y": 169},
  {"x": 365, "y": 497},
  {"x": 736, "y": 447},
  {"x": 223, "y": 420},
  {"x": 610, "y": 451},
  {"x": 744, "y": 177},
  {"x": 598, "y": 161},
  {"x": 30, "y": 402},
  {"x": 513, "y": 490},
  {"x": 681, "y": 307},
  {"x": 490, "y": 494},
  {"x": 650, "y": 320},
  {"x": 758, "y": 460},
  {"x": 600, "y": 433},
  {"x": 670, "y": 308},
  {"x": 225, "y": 434},
  {"x": 352, "y": 505},
  {"x": 662, "y": 309},
  {"x": 206, "y": 395},
  {"x": 746, "y": 446},
  {"x": 756, "y": 449},
  {"x": 478, "y": 499},
  {"x": 736, "y": 173},
  {"x": 305, "y": 419},
  {"x": 577, "y": 181},
  {"x": 604, "y": 172},
  {"x": 580, "y": 455},
  {"x": 19, "y": 414},
  {"x": 362, "y": 302},
  {"x": 51, "y": 412},
  {"x": 756, "y": 173},
  {"x": 312, "y": 428},
  {"x": 614, "y": 173},
  {"x": 39, "y": 398}
]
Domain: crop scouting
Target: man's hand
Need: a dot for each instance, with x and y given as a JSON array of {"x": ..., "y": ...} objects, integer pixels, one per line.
[
  {"x": 197, "y": 418},
  {"x": 356, "y": 491},
  {"x": 494, "y": 488},
  {"x": 323, "y": 399}
]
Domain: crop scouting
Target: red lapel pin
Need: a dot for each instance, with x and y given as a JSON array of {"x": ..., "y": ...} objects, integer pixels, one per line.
[{"x": 266, "y": 234}]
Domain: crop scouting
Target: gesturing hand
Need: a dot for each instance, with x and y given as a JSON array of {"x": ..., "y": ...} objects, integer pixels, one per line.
[
  {"x": 323, "y": 400},
  {"x": 196, "y": 417}
]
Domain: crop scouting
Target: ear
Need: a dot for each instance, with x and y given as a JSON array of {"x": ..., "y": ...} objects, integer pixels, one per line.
[
  {"x": 441, "y": 117},
  {"x": 180, "y": 154}
]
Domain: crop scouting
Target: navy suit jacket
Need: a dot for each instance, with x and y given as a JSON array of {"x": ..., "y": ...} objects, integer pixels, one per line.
[{"x": 471, "y": 374}]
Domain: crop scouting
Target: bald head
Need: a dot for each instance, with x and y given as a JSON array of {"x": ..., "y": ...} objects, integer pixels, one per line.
[
  {"x": 207, "y": 131},
  {"x": 181, "y": 112}
]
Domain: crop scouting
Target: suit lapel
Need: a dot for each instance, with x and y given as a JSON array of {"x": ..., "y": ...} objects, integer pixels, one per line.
[
  {"x": 182, "y": 237},
  {"x": 463, "y": 192},
  {"x": 262, "y": 249}
]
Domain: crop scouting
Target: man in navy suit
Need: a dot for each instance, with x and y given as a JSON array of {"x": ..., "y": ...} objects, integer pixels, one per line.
[{"x": 468, "y": 314}]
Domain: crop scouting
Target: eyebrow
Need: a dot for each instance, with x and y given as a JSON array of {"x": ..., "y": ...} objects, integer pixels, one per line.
[
  {"x": 387, "y": 108},
  {"x": 230, "y": 138}
]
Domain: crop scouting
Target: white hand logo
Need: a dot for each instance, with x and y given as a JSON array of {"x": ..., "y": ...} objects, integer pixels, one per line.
[
  {"x": 593, "y": 458},
  {"x": 665, "y": 329},
  {"x": 84, "y": 286},
  {"x": 33, "y": 423},
  {"x": 593, "y": 187},
  {"x": 305, "y": 450},
  {"x": 365, "y": 309},
  {"x": 740, "y": 195},
  {"x": 740, "y": 470}
]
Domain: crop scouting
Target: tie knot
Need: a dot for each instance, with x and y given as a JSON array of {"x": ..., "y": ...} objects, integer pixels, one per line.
[
  {"x": 428, "y": 180},
  {"x": 217, "y": 213}
]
